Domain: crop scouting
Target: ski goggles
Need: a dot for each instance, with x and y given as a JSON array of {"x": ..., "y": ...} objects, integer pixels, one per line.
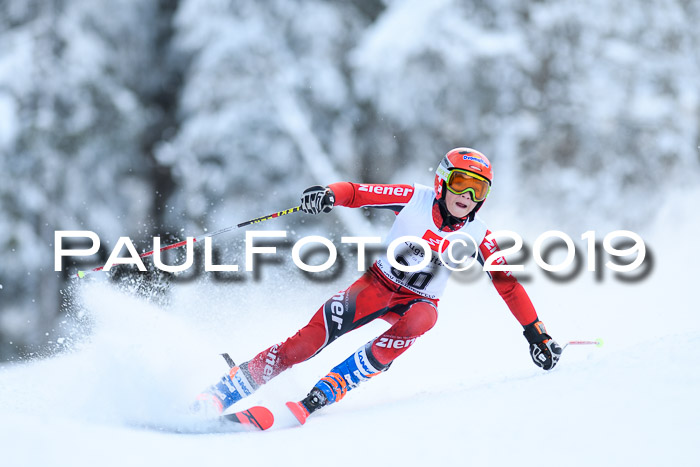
[{"x": 461, "y": 181}]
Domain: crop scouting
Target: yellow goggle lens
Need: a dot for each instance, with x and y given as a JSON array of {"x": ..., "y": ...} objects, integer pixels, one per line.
[{"x": 460, "y": 182}]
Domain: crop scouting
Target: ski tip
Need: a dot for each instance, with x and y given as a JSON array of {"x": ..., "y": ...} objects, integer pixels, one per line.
[
  {"x": 265, "y": 418},
  {"x": 599, "y": 342},
  {"x": 258, "y": 417},
  {"x": 81, "y": 274},
  {"x": 299, "y": 411}
]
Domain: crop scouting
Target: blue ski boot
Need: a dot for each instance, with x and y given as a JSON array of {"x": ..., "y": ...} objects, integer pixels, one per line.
[
  {"x": 357, "y": 368},
  {"x": 232, "y": 387}
]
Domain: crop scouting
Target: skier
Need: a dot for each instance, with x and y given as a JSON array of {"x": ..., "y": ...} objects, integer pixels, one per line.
[{"x": 408, "y": 301}]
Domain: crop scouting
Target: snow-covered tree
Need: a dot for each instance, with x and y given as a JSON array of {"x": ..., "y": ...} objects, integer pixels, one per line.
[
  {"x": 598, "y": 95},
  {"x": 77, "y": 102}
]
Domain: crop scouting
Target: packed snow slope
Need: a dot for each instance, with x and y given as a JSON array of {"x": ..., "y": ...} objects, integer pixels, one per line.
[{"x": 465, "y": 394}]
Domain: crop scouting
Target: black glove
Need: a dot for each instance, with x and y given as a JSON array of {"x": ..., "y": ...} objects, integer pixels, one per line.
[
  {"x": 317, "y": 199},
  {"x": 544, "y": 350}
]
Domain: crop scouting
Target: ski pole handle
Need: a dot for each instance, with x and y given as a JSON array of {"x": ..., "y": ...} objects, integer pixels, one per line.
[{"x": 199, "y": 238}]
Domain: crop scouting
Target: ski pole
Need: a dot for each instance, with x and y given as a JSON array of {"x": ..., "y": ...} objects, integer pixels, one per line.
[
  {"x": 597, "y": 343},
  {"x": 199, "y": 238}
]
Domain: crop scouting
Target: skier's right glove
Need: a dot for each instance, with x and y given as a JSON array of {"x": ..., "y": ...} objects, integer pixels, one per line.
[
  {"x": 317, "y": 199},
  {"x": 544, "y": 350}
]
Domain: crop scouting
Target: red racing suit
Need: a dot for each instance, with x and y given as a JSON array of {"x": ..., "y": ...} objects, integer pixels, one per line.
[{"x": 407, "y": 307}]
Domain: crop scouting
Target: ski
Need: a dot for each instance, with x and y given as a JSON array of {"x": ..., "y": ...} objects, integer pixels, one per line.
[
  {"x": 299, "y": 411},
  {"x": 315, "y": 400},
  {"x": 255, "y": 417}
]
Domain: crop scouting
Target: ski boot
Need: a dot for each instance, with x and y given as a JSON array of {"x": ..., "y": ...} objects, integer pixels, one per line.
[
  {"x": 232, "y": 387},
  {"x": 357, "y": 368}
]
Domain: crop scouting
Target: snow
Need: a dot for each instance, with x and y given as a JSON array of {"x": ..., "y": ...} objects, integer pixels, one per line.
[
  {"x": 181, "y": 116},
  {"x": 466, "y": 393}
]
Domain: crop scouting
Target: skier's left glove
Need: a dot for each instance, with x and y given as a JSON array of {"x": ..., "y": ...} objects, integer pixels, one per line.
[
  {"x": 317, "y": 199},
  {"x": 544, "y": 350}
]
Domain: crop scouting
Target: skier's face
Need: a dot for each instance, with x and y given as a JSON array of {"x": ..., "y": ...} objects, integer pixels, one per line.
[{"x": 459, "y": 205}]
